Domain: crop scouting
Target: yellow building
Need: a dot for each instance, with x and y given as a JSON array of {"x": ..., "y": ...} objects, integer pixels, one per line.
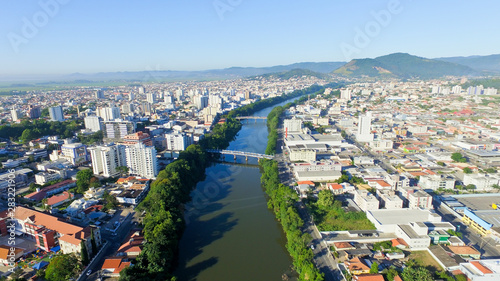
[{"x": 475, "y": 222}]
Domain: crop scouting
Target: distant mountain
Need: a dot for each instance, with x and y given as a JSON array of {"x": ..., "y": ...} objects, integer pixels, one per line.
[
  {"x": 489, "y": 63},
  {"x": 226, "y": 73},
  {"x": 294, "y": 73},
  {"x": 401, "y": 65}
]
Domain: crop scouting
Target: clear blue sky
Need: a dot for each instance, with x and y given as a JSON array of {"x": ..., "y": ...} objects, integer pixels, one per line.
[{"x": 91, "y": 36}]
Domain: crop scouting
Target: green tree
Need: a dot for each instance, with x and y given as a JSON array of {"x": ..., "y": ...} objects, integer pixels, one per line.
[
  {"x": 84, "y": 254},
  {"x": 111, "y": 201},
  {"x": 123, "y": 170},
  {"x": 83, "y": 180},
  {"x": 374, "y": 268},
  {"x": 325, "y": 198},
  {"x": 458, "y": 157},
  {"x": 491, "y": 170},
  {"x": 391, "y": 273},
  {"x": 63, "y": 267},
  {"x": 470, "y": 187},
  {"x": 441, "y": 163},
  {"x": 416, "y": 273},
  {"x": 467, "y": 170},
  {"x": 27, "y": 135}
]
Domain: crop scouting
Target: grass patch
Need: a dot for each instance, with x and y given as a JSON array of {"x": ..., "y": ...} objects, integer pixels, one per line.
[
  {"x": 334, "y": 218},
  {"x": 423, "y": 258}
]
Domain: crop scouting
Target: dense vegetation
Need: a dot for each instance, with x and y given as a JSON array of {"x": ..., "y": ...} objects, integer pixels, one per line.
[
  {"x": 331, "y": 216},
  {"x": 29, "y": 130},
  {"x": 164, "y": 222},
  {"x": 283, "y": 200},
  {"x": 63, "y": 267}
]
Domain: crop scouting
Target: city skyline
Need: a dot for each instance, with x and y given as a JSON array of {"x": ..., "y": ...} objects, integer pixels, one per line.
[{"x": 56, "y": 37}]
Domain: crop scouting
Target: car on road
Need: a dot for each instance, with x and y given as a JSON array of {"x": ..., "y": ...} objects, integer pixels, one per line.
[
  {"x": 312, "y": 246},
  {"x": 89, "y": 271}
]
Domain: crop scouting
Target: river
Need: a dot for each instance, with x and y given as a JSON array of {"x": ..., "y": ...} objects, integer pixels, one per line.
[{"x": 230, "y": 233}]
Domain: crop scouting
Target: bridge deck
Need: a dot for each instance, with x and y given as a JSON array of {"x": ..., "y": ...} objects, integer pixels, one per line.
[{"x": 241, "y": 153}]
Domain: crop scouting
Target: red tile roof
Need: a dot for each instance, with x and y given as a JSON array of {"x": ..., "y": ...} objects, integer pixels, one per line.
[
  {"x": 70, "y": 233},
  {"x": 58, "y": 198},
  {"x": 369, "y": 277},
  {"x": 335, "y": 186},
  {"x": 305, "y": 182},
  {"x": 481, "y": 267}
]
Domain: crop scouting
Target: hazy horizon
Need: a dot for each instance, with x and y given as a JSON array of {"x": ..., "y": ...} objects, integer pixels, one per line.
[{"x": 62, "y": 37}]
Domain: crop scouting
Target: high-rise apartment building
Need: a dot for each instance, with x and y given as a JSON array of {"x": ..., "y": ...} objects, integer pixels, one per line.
[
  {"x": 141, "y": 160},
  {"x": 56, "y": 113},
  {"x": 106, "y": 159}
]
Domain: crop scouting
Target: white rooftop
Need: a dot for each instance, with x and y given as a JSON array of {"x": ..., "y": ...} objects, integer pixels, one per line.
[{"x": 403, "y": 216}]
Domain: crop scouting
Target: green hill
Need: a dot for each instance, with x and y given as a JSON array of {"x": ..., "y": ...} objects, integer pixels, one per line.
[
  {"x": 489, "y": 63},
  {"x": 403, "y": 65},
  {"x": 294, "y": 73}
]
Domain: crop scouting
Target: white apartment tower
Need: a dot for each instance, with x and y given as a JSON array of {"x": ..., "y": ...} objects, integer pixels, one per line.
[
  {"x": 364, "y": 128},
  {"x": 292, "y": 126},
  {"x": 105, "y": 159},
  {"x": 109, "y": 113},
  {"x": 345, "y": 94},
  {"x": 15, "y": 114},
  {"x": 141, "y": 160},
  {"x": 151, "y": 98},
  {"x": 93, "y": 123},
  {"x": 56, "y": 113}
]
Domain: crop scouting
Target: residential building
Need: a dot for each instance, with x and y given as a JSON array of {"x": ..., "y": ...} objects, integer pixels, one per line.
[
  {"x": 481, "y": 181},
  {"x": 56, "y": 113},
  {"x": 306, "y": 155},
  {"x": 113, "y": 266},
  {"x": 118, "y": 129},
  {"x": 141, "y": 160},
  {"x": 389, "y": 199},
  {"x": 109, "y": 113},
  {"x": 151, "y": 98},
  {"x": 51, "y": 232},
  {"x": 364, "y": 128},
  {"x": 435, "y": 182},
  {"x": 106, "y": 159},
  {"x": 292, "y": 126},
  {"x": 177, "y": 141},
  {"x": 40, "y": 194},
  {"x": 19, "y": 178},
  {"x": 420, "y": 200},
  {"x": 43, "y": 177},
  {"x": 365, "y": 200},
  {"x": 75, "y": 153},
  {"x": 93, "y": 123},
  {"x": 16, "y": 115},
  {"x": 139, "y": 137},
  {"x": 6, "y": 254},
  {"x": 34, "y": 112},
  {"x": 481, "y": 270}
]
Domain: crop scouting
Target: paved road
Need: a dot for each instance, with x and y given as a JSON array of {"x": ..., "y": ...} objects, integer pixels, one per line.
[
  {"x": 322, "y": 257},
  {"x": 114, "y": 242},
  {"x": 485, "y": 245}
]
